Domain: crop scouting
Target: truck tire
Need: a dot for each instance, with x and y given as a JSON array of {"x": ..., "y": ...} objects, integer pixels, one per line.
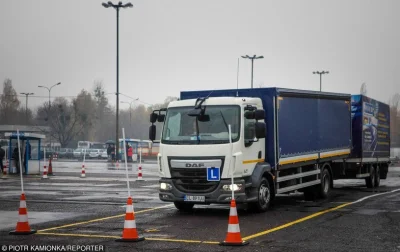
[
  {"x": 184, "y": 206},
  {"x": 264, "y": 197},
  {"x": 370, "y": 181},
  {"x": 325, "y": 185},
  {"x": 377, "y": 176}
]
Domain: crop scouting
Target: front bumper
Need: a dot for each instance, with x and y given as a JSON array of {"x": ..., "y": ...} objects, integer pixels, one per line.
[{"x": 217, "y": 196}]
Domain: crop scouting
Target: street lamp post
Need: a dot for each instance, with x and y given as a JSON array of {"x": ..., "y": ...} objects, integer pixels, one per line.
[
  {"x": 49, "y": 89},
  {"x": 117, "y": 7},
  {"x": 130, "y": 111},
  {"x": 26, "y": 106},
  {"x": 320, "y": 78},
  {"x": 48, "y": 114},
  {"x": 252, "y": 64}
]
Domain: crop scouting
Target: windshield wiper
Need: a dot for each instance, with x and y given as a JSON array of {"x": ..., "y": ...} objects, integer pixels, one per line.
[{"x": 226, "y": 125}]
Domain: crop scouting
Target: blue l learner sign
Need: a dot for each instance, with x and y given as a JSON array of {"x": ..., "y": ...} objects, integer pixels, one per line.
[{"x": 213, "y": 174}]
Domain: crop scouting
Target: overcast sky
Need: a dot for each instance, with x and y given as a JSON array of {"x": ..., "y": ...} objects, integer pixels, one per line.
[{"x": 168, "y": 46}]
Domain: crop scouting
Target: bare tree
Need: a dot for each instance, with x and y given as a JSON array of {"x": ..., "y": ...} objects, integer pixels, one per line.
[
  {"x": 104, "y": 117},
  {"x": 86, "y": 108},
  {"x": 9, "y": 104},
  {"x": 66, "y": 121}
]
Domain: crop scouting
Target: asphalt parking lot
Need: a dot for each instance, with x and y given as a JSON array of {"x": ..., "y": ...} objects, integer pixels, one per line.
[{"x": 66, "y": 209}]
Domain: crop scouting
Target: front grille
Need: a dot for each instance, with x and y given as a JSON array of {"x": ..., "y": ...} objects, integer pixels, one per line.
[{"x": 192, "y": 180}]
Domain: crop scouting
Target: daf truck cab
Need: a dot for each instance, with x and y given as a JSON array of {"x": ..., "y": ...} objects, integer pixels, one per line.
[{"x": 195, "y": 141}]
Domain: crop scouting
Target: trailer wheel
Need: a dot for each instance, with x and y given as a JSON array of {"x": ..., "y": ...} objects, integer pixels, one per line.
[
  {"x": 370, "y": 181},
  {"x": 264, "y": 197},
  {"x": 325, "y": 184},
  {"x": 183, "y": 206},
  {"x": 377, "y": 176}
]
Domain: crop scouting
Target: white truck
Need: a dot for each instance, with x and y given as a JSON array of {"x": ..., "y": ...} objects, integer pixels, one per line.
[{"x": 282, "y": 141}]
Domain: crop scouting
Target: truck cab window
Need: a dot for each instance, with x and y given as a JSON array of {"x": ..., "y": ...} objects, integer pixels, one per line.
[{"x": 180, "y": 128}]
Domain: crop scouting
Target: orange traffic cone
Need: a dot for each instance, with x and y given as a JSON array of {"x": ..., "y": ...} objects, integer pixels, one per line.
[
  {"x": 130, "y": 233},
  {"x": 83, "y": 174},
  {"x": 23, "y": 227},
  {"x": 45, "y": 173},
  {"x": 233, "y": 237},
  {"x": 140, "y": 173},
  {"x": 50, "y": 172}
]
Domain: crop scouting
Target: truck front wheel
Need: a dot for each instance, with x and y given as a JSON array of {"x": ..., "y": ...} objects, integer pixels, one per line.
[
  {"x": 264, "y": 197},
  {"x": 184, "y": 206}
]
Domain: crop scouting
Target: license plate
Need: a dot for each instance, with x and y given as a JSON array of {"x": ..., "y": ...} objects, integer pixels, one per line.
[{"x": 195, "y": 198}]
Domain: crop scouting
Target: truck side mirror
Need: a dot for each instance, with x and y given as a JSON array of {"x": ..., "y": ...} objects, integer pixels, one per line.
[
  {"x": 152, "y": 132},
  {"x": 259, "y": 114},
  {"x": 249, "y": 115},
  {"x": 153, "y": 117},
  {"x": 160, "y": 118},
  {"x": 261, "y": 130}
]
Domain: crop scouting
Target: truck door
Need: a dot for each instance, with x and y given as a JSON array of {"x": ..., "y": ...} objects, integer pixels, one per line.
[{"x": 253, "y": 151}]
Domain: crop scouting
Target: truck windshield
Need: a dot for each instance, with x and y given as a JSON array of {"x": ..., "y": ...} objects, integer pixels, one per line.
[{"x": 180, "y": 128}]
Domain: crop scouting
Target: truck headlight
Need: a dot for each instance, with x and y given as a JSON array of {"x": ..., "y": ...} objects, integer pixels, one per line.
[
  {"x": 236, "y": 187},
  {"x": 165, "y": 186}
]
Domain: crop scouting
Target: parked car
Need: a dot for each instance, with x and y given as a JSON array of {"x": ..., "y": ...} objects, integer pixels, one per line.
[
  {"x": 94, "y": 153},
  {"x": 78, "y": 153},
  {"x": 49, "y": 153},
  {"x": 66, "y": 153},
  {"x": 103, "y": 154}
]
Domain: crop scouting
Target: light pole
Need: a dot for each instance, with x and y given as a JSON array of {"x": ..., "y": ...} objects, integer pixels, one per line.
[
  {"x": 252, "y": 64},
  {"x": 117, "y": 7},
  {"x": 320, "y": 78},
  {"x": 49, "y": 89},
  {"x": 26, "y": 106},
  {"x": 130, "y": 110}
]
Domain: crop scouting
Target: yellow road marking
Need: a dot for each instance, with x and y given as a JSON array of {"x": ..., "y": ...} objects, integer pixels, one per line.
[
  {"x": 117, "y": 237},
  {"x": 102, "y": 219},
  {"x": 151, "y": 230},
  {"x": 295, "y": 222}
]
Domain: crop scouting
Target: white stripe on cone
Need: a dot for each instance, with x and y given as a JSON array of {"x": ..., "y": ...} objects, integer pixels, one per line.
[
  {"x": 233, "y": 211},
  {"x": 129, "y": 208},
  {"x": 233, "y": 228},
  {"x": 22, "y": 204},
  {"x": 130, "y": 224},
  {"x": 23, "y": 218}
]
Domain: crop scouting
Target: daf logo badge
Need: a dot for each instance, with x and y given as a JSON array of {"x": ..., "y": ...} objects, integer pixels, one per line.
[{"x": 197, "y": 165}]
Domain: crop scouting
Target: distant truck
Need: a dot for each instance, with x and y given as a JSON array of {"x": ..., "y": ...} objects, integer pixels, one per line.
[{"x": 283, "y": 140}]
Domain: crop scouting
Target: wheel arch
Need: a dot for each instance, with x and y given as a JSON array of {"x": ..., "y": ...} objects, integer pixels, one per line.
[{"x": 263, "y": 170}]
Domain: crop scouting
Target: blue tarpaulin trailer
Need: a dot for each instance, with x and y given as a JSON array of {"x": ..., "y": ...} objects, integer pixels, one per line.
[
  {"x": 371, "y": 128},
  {"x": 301, "y": 125}
]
